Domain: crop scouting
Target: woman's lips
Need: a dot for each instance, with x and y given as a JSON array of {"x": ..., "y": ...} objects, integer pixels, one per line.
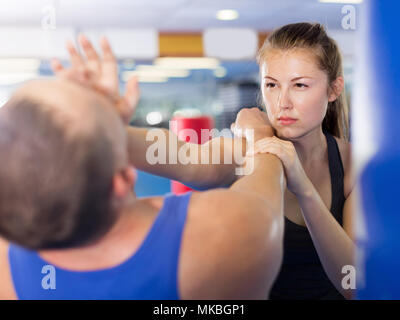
[{"x": 286, "y": 120}]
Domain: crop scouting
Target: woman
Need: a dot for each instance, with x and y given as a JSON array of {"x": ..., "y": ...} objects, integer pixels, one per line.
[{"x": 302, "y": 89}]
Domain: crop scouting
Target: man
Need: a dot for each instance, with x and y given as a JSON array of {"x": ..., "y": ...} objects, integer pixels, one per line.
[{"x": 66, "y": 205}]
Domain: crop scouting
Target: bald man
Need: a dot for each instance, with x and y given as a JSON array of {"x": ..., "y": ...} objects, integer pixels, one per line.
[{"x": 71, "y": 227}]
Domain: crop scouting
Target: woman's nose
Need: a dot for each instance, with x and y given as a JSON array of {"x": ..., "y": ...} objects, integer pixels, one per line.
[{"x": 284, "y": 100}]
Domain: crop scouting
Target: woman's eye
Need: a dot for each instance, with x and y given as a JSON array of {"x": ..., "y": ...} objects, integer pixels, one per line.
[
  {"x": 301, "y": 85},
  {"x": 270, "y": 85}
]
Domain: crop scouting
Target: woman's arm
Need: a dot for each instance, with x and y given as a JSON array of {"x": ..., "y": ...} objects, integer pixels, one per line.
[{"x": 333, "y": 243}]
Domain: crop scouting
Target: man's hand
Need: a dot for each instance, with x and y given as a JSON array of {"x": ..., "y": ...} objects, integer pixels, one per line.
[
  {"x": 100, "y": 74},
  {"x": 252, "y": 119}
]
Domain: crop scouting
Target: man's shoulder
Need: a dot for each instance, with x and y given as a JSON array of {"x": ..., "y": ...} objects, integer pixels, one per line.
[
  {"x": 225, "y": 208},
  {"x": 156, "y": 201},
  {"x": 221, "y": 201},
  {"x": 222, "y": 237}
]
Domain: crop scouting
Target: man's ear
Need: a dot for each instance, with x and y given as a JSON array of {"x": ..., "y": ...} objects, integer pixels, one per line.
[
  {"x": 336, "y": 89},
  {"x": 123, "y": 181}
]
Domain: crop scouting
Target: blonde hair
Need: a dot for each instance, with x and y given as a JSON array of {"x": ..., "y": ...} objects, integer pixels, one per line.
[{"x": 313, "y": 36}]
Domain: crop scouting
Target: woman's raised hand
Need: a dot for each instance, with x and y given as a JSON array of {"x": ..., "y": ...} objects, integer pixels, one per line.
[{"x": 297, "y": 180}]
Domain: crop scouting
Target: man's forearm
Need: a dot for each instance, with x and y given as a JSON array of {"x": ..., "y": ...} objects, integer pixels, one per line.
[
  {"x": 267, "y": 180},
  {"x": 209, "y": 165},
  {"x": 212, "y": 164}
]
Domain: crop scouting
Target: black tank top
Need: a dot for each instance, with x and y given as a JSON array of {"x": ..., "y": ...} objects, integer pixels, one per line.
[{"x": 302, "y": 275}]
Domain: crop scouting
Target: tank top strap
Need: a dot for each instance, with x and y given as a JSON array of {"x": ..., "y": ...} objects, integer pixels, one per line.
[
  {"x": 170, "y": 223},
  {"x": 337, "y": 177}
]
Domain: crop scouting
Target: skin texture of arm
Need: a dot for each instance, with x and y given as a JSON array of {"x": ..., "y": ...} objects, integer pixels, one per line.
[
  {"x": 206, "y": 168},
  {"x": 233, "y": 241},
  {"x": 334, "y": 243},
  {"x": 212, "y": 164},
  {"x": 335, "y": 247}
]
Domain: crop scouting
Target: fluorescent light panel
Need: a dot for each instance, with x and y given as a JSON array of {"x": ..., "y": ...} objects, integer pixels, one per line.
[
  {"x": 187, "y": 63},
  {"x": 227, "y": 14}
]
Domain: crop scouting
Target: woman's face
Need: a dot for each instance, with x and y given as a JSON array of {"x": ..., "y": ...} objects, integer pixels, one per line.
[{"x": 295, "y": 92}]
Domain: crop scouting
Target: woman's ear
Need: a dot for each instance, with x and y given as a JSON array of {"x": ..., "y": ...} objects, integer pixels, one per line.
[{"x": 336, "y": 89}]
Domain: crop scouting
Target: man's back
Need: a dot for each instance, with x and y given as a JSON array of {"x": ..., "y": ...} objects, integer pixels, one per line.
[{"x": 220, "y": 256}]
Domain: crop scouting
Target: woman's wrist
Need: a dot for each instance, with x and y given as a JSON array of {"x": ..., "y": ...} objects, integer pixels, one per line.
[{"x": 306, "y": 192}]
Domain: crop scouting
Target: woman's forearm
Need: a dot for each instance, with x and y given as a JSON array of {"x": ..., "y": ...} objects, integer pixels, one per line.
[{"x": 335, "y": 248}]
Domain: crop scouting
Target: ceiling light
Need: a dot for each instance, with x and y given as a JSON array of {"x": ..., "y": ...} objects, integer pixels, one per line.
[
  {"x": 227, "y": 15},
  {"x": 161, "y": 71},
  {"x": 187, "y": 63}
]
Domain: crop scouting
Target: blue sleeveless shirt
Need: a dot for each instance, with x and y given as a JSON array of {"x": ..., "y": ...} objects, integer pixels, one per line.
[{"x": 151, "y": 273}]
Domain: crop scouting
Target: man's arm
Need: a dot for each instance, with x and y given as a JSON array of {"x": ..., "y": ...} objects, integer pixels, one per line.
[
  {"x": 233, "y": 241},
  {"x": 211, "y": 164}
]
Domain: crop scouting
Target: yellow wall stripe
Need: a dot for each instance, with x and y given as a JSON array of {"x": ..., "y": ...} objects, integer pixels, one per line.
[
  {"x": 181, "y": 44},
  {"x": 188, "y": 44}
]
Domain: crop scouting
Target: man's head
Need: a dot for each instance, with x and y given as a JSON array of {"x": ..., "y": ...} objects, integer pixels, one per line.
[{"x": 63, "y": 168}]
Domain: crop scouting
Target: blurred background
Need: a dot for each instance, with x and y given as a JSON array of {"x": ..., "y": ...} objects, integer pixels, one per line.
[{"x": 192, "y": 57}]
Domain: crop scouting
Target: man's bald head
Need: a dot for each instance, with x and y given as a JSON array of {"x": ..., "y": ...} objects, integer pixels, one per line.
[
  {"x": 74, "y": 108},
  {"x": 60, "y": 145}
]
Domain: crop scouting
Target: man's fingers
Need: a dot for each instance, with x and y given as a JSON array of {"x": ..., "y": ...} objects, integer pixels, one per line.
[
  {"x": 93, "y": 59},
  {"x": 132, "y": 91},
  {"x": 109, "y": 65},
  {"x": 108, "y": 55},
  {"x": 274, "y": 150},
  {"x": 109, "y": 60},
  {"x": 76, "y": 59},
  {"x": 258, "y": 147}
]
